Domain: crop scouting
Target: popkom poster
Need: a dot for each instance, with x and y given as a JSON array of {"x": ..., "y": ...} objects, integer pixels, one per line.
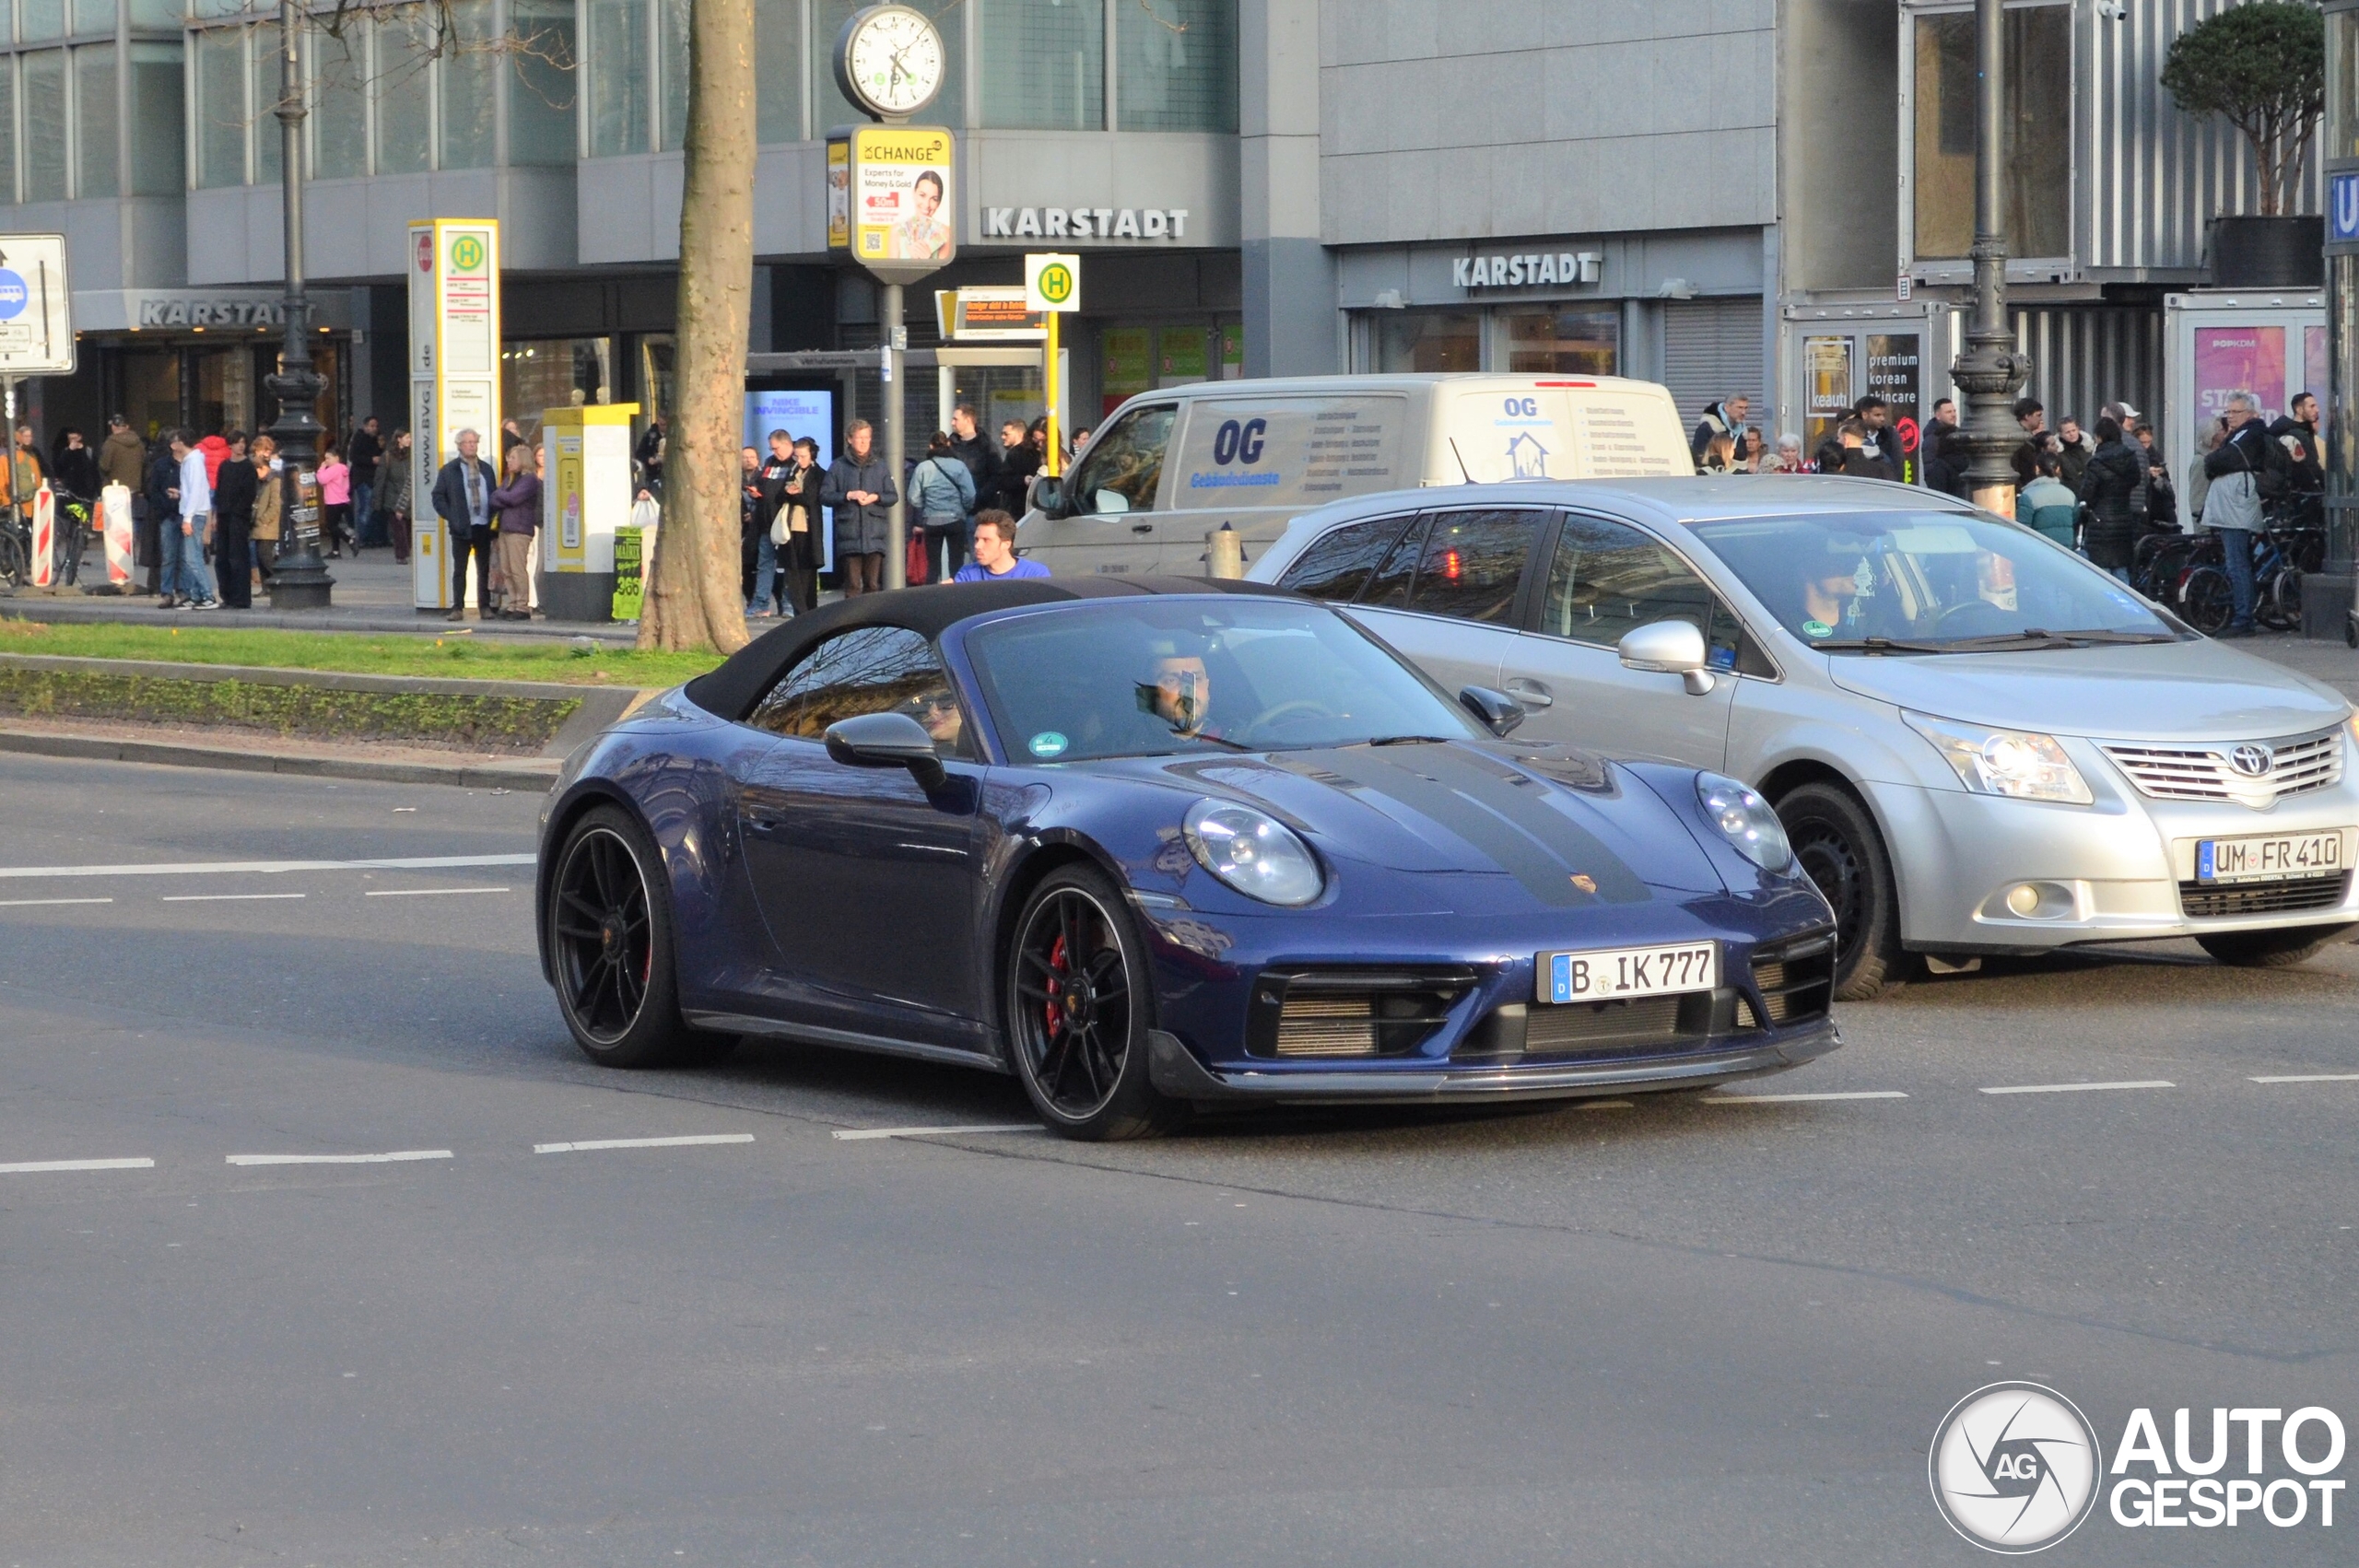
[{"x": 2233, "y": 359}]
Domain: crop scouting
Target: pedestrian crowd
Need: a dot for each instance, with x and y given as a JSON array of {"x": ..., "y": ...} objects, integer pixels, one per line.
[{"x": 2103, "y": 490}]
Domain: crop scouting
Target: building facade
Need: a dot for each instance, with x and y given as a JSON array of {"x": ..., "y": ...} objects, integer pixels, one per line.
[{"x": 1764, "y": 197}]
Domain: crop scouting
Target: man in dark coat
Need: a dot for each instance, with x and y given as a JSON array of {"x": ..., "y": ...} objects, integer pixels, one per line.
[
  {"x": 971, "y": 447},
  {"x": 463, "y": 500},
  {"x": 163, "y": 491},
  {"x": 2110, "y": 483},
  {"x": 1723, "y": 418},
  {"x": 2298, "y": 435},
  {"x": 861, "y": 487}
]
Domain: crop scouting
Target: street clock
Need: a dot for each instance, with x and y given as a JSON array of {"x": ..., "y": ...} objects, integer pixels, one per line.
[{"x": 890, "y": 60}]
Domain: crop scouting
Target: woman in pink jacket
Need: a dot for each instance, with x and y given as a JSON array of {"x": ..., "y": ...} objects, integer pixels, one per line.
[{"x": 335, "y": 500}]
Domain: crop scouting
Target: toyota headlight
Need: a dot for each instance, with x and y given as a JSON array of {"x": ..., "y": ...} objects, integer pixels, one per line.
[
  {"x": 2021, "y": 763},
  {"x": 1254, "y": 852},
  {"x": 1745, "y": 819}
]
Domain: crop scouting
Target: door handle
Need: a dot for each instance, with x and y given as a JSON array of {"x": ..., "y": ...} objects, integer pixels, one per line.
[
  {"x": 1532, "y": 693},
  {"x": 1142, "y": 528}
]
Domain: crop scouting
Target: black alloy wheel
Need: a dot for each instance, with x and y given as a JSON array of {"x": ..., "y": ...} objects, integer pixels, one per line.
[
  {"x": 611, "y": 943},
  {"x": 1838, "y": 844},
  {"x": 1078, "y": 1013}
]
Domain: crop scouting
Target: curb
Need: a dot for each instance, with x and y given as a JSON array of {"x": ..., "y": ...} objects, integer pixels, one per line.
[
  {"x": 113, "y": 610},
  {"x": 535, "y": 773}
]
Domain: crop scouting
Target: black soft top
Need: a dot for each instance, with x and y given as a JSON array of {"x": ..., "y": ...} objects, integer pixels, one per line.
[{"x": 731, "y": 690}]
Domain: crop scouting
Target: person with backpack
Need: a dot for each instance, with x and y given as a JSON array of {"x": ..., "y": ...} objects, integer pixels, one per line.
[
  {"x": 2246, "y": 469},
  {"x": 2109, "y": 485},
  {"x": 942, "y": 498}
]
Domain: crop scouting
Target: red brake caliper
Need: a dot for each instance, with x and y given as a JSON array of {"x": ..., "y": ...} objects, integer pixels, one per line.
[{"x": 1056, "y": 1015}]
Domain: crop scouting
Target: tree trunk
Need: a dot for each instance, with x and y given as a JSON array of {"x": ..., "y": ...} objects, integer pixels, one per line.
[{"x": 694, "y": 600}]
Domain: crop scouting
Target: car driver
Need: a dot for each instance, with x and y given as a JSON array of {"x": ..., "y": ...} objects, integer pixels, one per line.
[{"x": 1828, "y": 591}]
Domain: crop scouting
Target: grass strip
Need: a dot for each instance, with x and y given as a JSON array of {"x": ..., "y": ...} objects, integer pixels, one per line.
[
  {"x": 448, "y": 655},
  {"x": 483, "y": 723}
]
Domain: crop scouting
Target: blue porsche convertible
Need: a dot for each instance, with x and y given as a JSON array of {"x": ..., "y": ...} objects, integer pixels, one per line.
[{"x": 1161, "y": 845}]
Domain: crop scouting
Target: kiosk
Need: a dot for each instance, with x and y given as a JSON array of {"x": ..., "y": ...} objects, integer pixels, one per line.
[{"x": 586, "y": 497}]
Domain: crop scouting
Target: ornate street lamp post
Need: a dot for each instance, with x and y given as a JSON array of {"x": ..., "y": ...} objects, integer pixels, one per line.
[
  {"x": 302, "y": 581},
  {"x": 1990, "y": 370}
]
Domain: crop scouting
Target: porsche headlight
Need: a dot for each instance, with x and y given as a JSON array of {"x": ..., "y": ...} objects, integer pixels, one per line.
[
  {"x": 2020, "y": 763},
  {"x": 1254, "y": 852},
  {"x": 1745, "y": 819}
]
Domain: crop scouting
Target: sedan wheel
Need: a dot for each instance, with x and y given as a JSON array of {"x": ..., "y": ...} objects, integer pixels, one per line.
[
  {"x": 1078, "y": 1012},
  {"x": 610, "y": 940},
  {"x": 1836, "y": 842}
]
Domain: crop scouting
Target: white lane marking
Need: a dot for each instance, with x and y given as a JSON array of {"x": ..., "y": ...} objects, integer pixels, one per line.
[
  {"x": 426, "y": 892},
  {"x": 395, "y": 1157},
  {"x": 223, "y": 897},
  {"x": 34, "y": 1168},
  {"x": 2077, "y": 1088},
  {"x": 642, "y": 1142},
  {"x": 1789, "y": 1099},
  {"x": 29, "y": 903},
  {"x": 858, "y": 1134},
  {"x": 2311, "y": 1078},
  {"x": 270, "y": 868}
]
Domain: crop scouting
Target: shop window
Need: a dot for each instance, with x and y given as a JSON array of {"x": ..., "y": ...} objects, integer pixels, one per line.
[
  {"x": 620, "y": 75},
  {"x": 220, "y": 107},
  {"x": 541, "y": 61},
  {"x": 404, "y": 91},
  {"x": 2038, "y": 130},
  {"x": 1126, "y": 365},
  {"x": 673, "y": 18},
  {"x": 1043, "y": 66},
  {"x": 44, "y": 90},
  {"x": 1563, "y": 343},
  {"x": 542, "y": 374},
  {"x": 339, "y": 118},
  {"x": 151, "y": 391},
  {"x": 40, "y": 20},
  {"x": 1176, "y": 65},
  {"x": 269, "y": 84},
  {"x": 159, "y": 132},
  {"x": 469, "y": 88},
  {"x": 1428, "y": 341},
  {"x": 97, "y": 143},
  {"x": 7, "y": 129},
  {"x": 828, "y": 106},
  {"x": 778, "y": 70}
]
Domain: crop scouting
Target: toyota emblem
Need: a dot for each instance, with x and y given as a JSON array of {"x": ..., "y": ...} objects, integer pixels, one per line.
[{"x": 2251, "y": 761}]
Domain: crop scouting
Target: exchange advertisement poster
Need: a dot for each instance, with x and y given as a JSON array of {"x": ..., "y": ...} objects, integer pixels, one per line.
[
  {"x": 1180, "y": 356},
  {"x": 839, "y": 196},
  {"x": 2240, "y": 359},
  {"x": 901, "y": 195}
]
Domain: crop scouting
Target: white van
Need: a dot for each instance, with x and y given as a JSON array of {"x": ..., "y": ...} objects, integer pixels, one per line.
[{"x": 1169, "y": 467}]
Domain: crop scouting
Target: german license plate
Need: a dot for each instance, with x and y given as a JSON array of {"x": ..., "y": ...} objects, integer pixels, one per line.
[
  {"x": 2276, "y": 857},
  {"x": 1618, "y": 973}
]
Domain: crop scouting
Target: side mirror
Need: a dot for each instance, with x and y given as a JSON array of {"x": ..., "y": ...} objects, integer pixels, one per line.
[
  {"x": 886, "y": 740},
  {"x": 1499, "y": 712},
  {"x": 1048, "y": 497},
  {"x": 1672, "y": 648}
]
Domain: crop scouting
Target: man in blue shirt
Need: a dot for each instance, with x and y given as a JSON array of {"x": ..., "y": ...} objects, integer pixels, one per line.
[
  {"x": 995, "y": 558},
  {"x": 184, "y": 574}
]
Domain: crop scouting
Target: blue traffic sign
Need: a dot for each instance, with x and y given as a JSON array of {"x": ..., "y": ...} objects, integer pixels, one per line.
[
  {"x": 2343, "y": 209},
  {"x": 13, "y": 295}
]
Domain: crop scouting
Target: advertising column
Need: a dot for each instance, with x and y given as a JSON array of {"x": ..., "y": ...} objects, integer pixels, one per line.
[{"x": 455, "y": 374}]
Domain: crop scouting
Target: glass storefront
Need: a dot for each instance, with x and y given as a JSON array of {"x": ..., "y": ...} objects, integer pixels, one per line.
[
  {"x": 541, "y": 374},
  {"x": 1564, "y": 339},
  {"x": 1570, "y": 339},
  {"x": 1426, "y": 341}
]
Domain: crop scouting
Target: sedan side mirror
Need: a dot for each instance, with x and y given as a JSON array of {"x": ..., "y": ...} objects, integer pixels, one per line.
[
  {"x": 1672, "y": 648},
  {"x": 1499, "y": 712},
  {"x": 1048, "y": 497},
  {"x": 886, "y": 740}
]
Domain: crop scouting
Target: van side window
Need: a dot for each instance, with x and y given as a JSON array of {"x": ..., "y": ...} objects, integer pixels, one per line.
[
  {"x": 1608, "y": 579},
  {"x": 1390, "y": 587},
  {"x": 1124, "y": 465},
  {"x": 1339, "y": 564},
  {"x": 1473, "y": 563}
]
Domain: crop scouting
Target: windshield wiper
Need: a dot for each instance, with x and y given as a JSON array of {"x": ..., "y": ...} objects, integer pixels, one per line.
[
  {"x": 2033, "y": 637},
  {"x": 1883, "y": 645},
  {"x": 1408, "y": 741}
]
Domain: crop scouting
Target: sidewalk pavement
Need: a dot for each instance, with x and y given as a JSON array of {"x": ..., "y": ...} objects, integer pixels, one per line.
[
  {"x": 371, "y": 594},
  {"x": 2320, "y": 659}
]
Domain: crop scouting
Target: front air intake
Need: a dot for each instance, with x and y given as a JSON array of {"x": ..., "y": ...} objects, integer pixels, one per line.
[
  {"x": 1350, "y": 1012},
  {"x": 1797, "y": 981}
]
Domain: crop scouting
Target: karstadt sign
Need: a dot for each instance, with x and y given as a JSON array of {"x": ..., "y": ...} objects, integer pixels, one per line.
[{"x": 1086, "y": 223}]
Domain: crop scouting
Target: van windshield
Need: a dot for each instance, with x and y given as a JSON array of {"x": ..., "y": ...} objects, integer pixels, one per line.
[{"x": 1926, "y": 582}]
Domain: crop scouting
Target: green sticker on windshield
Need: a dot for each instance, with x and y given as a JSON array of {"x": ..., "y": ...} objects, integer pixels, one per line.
[
  {"x": 1047, "y": 743},
  {"x": 1817, "y": 628}
]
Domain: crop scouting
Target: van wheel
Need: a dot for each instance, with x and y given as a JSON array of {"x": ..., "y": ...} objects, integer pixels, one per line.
[
  {"x": 2270, "y": 950},
  {"x": 1836, "y": 842}
]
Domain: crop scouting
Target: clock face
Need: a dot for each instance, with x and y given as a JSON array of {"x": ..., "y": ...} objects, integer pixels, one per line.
[{"x": 893, "y": 61}]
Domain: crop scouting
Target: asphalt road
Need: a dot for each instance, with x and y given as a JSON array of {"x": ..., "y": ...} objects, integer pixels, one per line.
[{"x": 1679, "y": 1332}]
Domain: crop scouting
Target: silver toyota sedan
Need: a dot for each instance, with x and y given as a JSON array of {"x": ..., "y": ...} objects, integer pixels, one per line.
[{"x": 1979, "y": 742}]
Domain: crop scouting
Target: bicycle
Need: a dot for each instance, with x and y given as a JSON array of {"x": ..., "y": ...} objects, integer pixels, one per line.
[
  {"x": 14, "y": 553},
  {"x": 2206, "y": 598},
  {"x": 71, "y": 535}
]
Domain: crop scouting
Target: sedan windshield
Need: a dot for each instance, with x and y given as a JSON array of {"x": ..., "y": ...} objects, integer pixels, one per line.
[
  {"x": 1162, "y": 678},
  {"x": 1926, "y": 582}
]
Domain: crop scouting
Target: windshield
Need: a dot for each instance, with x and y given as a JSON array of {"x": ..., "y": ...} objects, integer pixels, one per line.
[
  {"x": 1940, "y": 583},
  {"x": 1173, "y": 677}
]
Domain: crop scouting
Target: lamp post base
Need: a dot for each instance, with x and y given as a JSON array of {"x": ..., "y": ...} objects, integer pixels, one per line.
[{"x": 300, "y": 584}]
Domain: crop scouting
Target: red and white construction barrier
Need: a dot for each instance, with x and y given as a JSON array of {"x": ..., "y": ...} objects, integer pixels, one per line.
[
  {"x": 45, "y": 539},
  {"x": 114, "y": 523}
]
